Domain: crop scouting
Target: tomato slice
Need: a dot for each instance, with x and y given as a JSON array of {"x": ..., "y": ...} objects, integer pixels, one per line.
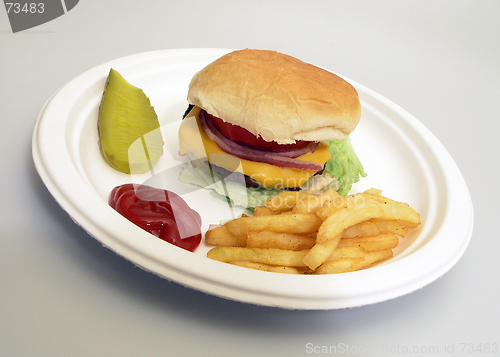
[{"x": 237, "y": 133}]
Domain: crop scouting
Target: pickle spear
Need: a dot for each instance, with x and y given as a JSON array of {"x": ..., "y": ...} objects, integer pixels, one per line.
[{"x": 129, "y": 130}]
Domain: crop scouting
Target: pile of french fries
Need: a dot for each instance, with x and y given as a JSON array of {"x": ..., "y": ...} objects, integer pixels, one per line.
[{"x": 304, "y": 233}]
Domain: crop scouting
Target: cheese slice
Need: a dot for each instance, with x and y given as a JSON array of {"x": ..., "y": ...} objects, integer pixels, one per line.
[{"x": 193, "y": 139}]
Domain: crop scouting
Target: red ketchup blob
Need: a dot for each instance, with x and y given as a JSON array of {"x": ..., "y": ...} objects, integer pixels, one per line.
[{"x": 160, "y": 212}]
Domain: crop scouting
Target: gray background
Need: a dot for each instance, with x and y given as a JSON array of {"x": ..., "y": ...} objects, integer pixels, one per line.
[{"x": 63, "y": 294}]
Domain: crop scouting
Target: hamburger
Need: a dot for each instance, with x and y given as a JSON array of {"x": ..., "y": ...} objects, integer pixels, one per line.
[{"x": 260, "y": 122}]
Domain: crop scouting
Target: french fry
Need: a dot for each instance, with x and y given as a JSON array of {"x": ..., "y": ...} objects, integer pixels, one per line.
[
  {"x": 379, "y": 255},
  {"x": 338, "y": 203},
  {"x": 281, "y": 240},
  {"x": 320, "y": 252},
  {"x": 263, "y": 211},
  {"x": 305, "y": 233},
  {"x": 373, "y": 243},
  {"x": 338, "y": 222},
  {"x": 266, "y": 267},
  {"x": 219, "y": 235},
  {"x": 390, "y": 226},
  {"x": 363, "y": 229},
  {"x": 297, "y": 223},
  {"x": 375, "y": 226},
  {"x": 346, "y": 252},
  {"x": 270, "y": 256},
  {"x": 344, "y": 265},
  {"x": 407, "y": 216}
]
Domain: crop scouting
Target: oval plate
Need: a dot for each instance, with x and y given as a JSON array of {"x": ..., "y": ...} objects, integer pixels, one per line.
[{"x": 400, "y": 156}]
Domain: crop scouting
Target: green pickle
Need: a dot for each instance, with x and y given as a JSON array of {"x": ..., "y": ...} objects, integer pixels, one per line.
[{"x": 129, "y": 130}]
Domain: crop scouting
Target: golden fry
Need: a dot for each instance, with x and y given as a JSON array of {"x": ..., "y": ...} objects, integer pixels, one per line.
[
  {"x": 266, "y": 267},
  {"x": 338, "y": 222},
  {"x": 320, "y": 252},
  {"x": 263, "y": 211},
  {"x": 332, "y": 206},
  {"x": 338, "y": 203},
  {"x": 390, "y": 226},
  {"x": 373, "y": 243},
  {"x": 375, "y": 226},
  {"x": 281, "y": 240},
  {"x": 343, "y": 265},
  {"x": 346, "y": 252},
  {"x": 379, "y": 255},
  {"x": 220, "y": 236},
  {"x": 348, "y": 264},
  {"x": 270, "y": 256},
  {"x": 363, "y": 229},
  {"x": 407, "y": 217},
  {"x": 297, "y": 223},
  {"x": 305, "y": 233}
]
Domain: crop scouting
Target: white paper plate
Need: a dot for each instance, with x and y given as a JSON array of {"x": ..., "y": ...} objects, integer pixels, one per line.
[{"x": 400, "y": 156}]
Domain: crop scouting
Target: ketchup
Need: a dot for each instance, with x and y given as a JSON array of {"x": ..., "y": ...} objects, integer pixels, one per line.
[{"x": 160, "y": 212}]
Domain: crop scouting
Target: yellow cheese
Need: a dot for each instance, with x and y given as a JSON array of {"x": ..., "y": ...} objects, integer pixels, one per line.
[{"x": 193, "y": 139}]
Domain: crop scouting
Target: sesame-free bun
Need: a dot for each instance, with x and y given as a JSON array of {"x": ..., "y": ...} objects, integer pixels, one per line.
[{"x": 276, "y": 96}]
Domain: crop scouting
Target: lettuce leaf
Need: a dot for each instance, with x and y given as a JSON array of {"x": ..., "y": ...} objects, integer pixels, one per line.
[{"x": 344, "y": 164}]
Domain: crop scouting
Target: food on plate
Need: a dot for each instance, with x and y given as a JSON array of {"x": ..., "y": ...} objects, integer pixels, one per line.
[
  {"x": 374, "y": 227},
  {"x": 298, "y": 223},
  {"x": 263, "y": 211},
  {"x": 363, "y": 229},
  {"x": 261, "y": 122},
  {"x": 220, "y": 236},
  {"x": 281, "y": 240},
  {"x": 266, "y": 267},
  {"x": 371, "y": 243},
  {"x": 129, "y": 130},
  {"x": 347, "y": 264},
  {"x": 160, "y": 212},
  {"x": 269, "y": 256}
]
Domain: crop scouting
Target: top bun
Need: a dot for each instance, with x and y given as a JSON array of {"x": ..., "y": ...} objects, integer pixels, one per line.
[{"x": 276, "y": 96}]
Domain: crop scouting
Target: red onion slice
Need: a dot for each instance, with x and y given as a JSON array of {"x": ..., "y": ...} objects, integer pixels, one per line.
[{"x": 280, "y": 159}]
